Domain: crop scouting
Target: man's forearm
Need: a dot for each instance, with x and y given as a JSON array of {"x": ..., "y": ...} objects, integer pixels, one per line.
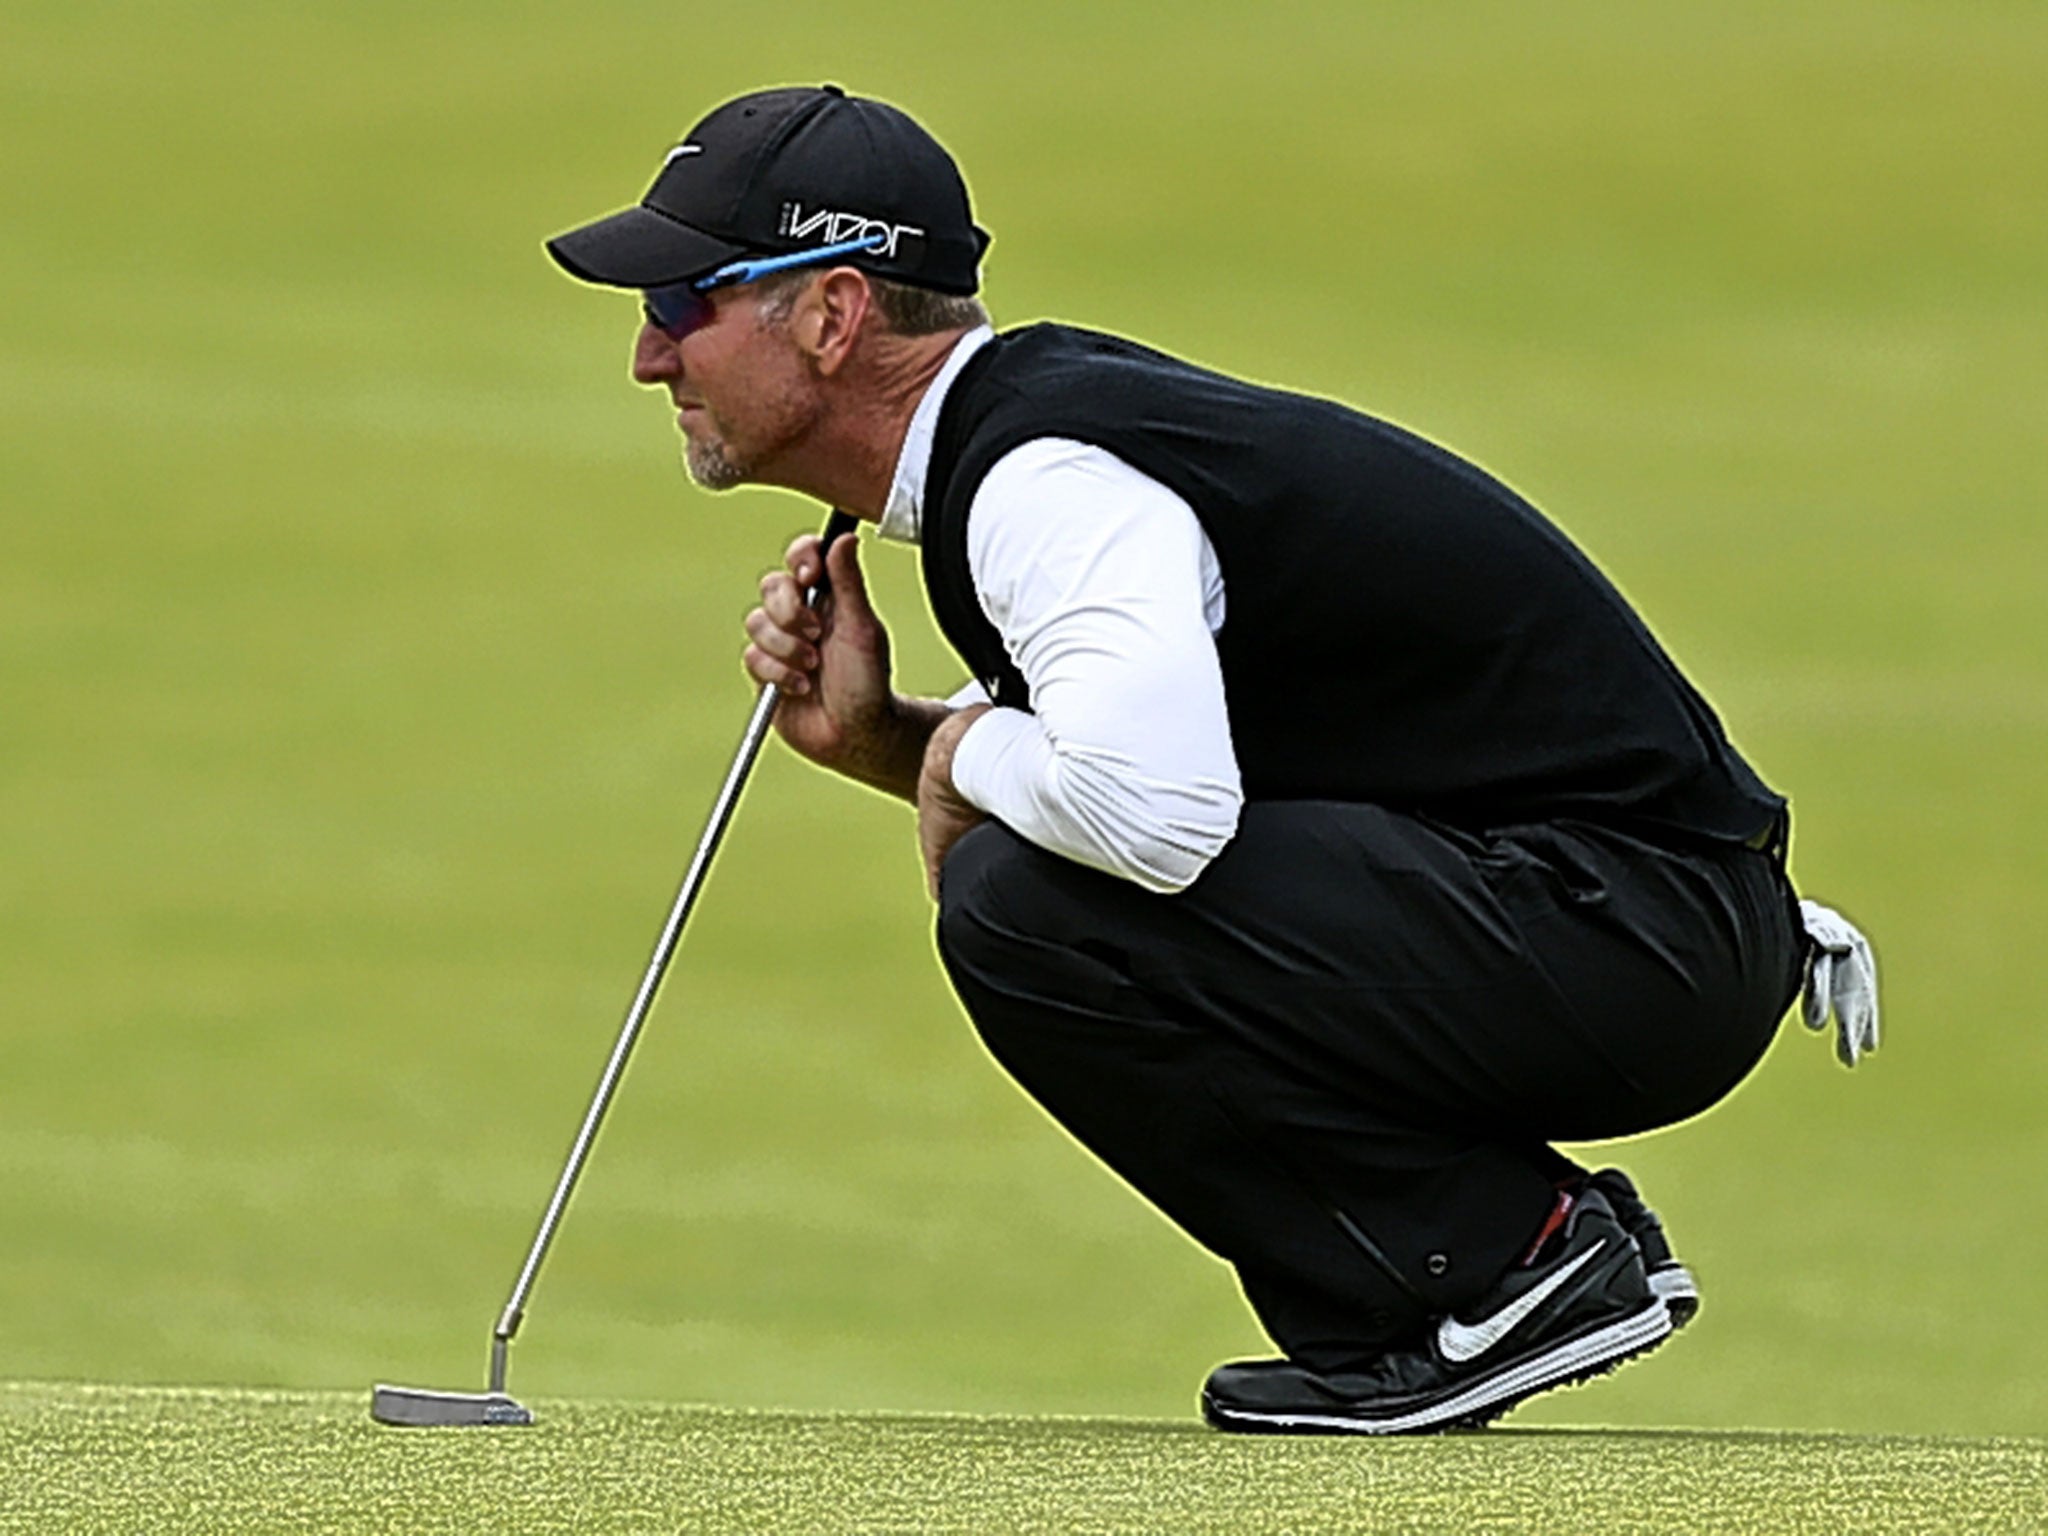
[{"x": 892, "y": 756}]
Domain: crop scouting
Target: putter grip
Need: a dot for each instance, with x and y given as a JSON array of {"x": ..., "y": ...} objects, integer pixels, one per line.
[{"x": 837, "y": 524}]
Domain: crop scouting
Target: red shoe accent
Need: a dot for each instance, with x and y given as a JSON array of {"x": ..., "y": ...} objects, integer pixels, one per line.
[{"x": 1552, "y": 1225}]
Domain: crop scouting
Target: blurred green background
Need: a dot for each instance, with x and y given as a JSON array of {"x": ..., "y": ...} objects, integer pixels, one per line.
[{"x": 367, "y": 665}]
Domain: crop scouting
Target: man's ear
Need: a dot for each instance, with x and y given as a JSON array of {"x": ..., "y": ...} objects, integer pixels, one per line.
[{"x": 830, "y": 316}]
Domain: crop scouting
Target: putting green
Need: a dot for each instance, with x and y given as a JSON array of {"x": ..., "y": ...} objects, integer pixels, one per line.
[
  {"x": 128, "y": 1459},
  {"x": 366, "y": 668}
]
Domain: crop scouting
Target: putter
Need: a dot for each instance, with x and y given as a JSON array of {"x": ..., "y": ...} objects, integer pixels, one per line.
[{"x": 418, "y": 1407}]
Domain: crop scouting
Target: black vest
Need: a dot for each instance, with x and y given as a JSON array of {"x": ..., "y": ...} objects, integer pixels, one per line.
[{"x": 1400, "y": 627}]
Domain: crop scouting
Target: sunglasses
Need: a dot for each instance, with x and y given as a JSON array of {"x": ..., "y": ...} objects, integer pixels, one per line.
[{"x": 680, "y": 308}]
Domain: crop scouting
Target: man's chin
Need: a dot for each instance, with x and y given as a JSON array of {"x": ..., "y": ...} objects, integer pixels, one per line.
[{"x": 710, "y": 468}]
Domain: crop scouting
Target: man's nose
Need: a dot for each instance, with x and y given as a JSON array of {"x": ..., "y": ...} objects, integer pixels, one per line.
[{"x": 655, "y": 357}]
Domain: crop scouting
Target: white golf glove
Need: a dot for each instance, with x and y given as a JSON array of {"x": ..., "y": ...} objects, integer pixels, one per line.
[{"x": 1841, "y": 979}]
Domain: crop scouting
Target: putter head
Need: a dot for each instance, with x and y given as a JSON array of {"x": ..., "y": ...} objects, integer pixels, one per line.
[{"x": 414, "y": 1408}]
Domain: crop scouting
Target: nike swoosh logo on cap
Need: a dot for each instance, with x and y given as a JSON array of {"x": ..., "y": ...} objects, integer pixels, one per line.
[
  {"x": 681, "y": 150},
  {"x": 1465, "y": 1342}
]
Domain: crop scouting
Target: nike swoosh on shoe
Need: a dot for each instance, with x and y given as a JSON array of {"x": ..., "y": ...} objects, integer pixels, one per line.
[{"x": 1465, "y": 1342}]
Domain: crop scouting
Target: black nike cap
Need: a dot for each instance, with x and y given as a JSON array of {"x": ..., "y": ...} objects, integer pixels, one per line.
[{"x": 779, "y": 171}]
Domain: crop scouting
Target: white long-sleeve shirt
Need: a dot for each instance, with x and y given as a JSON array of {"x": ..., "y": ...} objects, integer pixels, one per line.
[{"x": 1108, "y": 595}]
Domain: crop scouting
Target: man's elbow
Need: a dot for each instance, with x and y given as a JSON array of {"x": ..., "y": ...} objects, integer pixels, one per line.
[
  {"x": 1159, "y": 833},
  {"x": 1170, "y": 855}
]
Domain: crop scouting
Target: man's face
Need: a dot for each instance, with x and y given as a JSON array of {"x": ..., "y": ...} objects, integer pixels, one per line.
[{"x": 743, "y": 397}]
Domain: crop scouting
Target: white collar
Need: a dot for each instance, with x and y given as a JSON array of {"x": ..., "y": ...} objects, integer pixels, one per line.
[{"x": 903, "y": 513}]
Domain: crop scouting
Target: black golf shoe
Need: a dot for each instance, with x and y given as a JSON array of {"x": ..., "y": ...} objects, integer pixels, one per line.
[
  {"x": 1668, "y": 1278},
  {"x": 1584, "y": 1306}
]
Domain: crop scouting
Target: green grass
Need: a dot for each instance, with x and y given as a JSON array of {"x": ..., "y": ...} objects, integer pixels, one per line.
[
  {"x": 366, "y": 668},
  {"x": 137, "y": 1459}
]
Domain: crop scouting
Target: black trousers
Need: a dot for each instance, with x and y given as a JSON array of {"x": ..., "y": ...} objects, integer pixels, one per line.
[{"x": 1338, "y": 1059}]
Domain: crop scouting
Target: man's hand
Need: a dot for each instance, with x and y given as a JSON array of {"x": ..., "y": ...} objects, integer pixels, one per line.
[
  {"x": 943, "y": 816},
  {"x": 832, "y": 667}
]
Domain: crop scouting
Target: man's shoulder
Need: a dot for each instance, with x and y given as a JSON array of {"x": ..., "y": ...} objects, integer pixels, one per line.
[
  {"x": 1050, "y": 376},
  {"x": 1078, "y": 371},
  {"x": 1056, "y": 343}
]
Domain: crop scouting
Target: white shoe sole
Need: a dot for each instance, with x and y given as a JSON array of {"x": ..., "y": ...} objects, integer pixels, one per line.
[
  {"x": 1575, "y": 1360},
  {"x": 1680, "y": 1292}
]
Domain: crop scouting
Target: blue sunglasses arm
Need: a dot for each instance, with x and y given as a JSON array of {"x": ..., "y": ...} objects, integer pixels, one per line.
[{"x": 762, "y": 266}]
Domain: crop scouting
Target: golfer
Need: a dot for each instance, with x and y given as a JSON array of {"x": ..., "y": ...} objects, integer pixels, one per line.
[{"x": 1322, "y": 837}]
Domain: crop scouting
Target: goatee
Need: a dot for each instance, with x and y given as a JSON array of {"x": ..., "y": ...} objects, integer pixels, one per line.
[{"x": 710, "y": 466}]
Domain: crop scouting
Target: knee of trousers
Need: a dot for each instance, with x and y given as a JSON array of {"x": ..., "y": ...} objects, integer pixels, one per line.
[
  {"x": 987, "y": 882},
  {"x": 1008, "y": 933}
]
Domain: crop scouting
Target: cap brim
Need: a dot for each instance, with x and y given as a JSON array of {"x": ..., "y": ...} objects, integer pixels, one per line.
[{"x": 639, "y": 248}]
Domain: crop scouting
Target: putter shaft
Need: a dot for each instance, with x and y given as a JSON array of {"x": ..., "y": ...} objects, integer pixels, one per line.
[{"x": 643, "y": 1000}]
